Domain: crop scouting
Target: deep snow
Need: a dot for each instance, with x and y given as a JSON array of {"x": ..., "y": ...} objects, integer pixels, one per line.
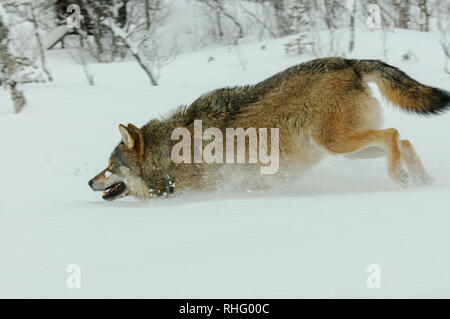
[{"x": 311, "y": 238}]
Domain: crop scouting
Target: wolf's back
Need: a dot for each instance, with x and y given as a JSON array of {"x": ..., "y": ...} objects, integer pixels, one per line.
[{"x": 402, "y": 90}]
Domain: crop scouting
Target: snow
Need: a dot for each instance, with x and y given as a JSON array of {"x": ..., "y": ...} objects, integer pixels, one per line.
[{"x": 314, "y": 237}]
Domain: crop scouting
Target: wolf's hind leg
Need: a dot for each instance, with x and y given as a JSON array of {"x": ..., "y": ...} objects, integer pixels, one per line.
[
  {"x": 414, "y": 164},
  {"x": 387, "y": 139}
]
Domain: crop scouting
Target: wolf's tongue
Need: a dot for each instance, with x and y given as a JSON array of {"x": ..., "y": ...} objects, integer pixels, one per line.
[{"x": 110, "y": 190}]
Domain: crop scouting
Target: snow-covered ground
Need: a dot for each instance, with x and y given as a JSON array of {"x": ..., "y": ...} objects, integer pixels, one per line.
[{"x": 312, "y": 238}]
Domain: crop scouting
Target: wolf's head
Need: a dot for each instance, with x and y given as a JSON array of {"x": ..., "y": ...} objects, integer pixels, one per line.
[{"x": 124, "y": 175}]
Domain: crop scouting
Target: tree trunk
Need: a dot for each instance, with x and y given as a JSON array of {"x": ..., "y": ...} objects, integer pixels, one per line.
[
  {"x": 403, "y": 7},
  {"x": 143, "y": 66},
  {"x": 9, "y": 64},
  {"x": 87, "y": 72},
  {"x": 351, "y": 45},
  {"x": 423, "y": 5},
  {"x": 39, "y": 42},
  {"x": 219, "y": 25},
  {"x": 17, "y": 97},
  {"x": 147, "y": 14},
  {"x": 283, "y": 28}
]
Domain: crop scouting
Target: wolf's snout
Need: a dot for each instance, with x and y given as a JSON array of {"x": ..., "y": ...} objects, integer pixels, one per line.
[{"x": 99, "y": 182}]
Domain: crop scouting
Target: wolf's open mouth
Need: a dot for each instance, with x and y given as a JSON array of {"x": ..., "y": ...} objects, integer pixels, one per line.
[{"x": 114, "y": 191}]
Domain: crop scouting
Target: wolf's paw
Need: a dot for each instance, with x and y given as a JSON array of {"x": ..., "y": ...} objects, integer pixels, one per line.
[
  {"x": 404, "y": 178},
  {"x": 423, "y": 179},
  {"x": 401, "y": 177}
]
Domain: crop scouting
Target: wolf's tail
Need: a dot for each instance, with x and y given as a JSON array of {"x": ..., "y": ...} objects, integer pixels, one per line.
[{"x": 402, "y": 90}]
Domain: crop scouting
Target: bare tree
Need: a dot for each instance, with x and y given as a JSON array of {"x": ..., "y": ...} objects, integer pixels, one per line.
[
  {"x": 122, "y": 27},
  {"x": 445, "y": 44},
  {"x": 280, "y": 15},
  {"x": 258, "y": 20},
  {"x": 79, "y": 57},
  {"x": 219, "y": 7},
  {"x": 425, "y": 13},
  {"x": 152, "y": 8},
  {"x": 29, "y": 11},
  {"x": 34, "y": 20},
  {"x": 326, "y": 15},
  {"x": 351, "y": 44},
  {"x": 402, "y": 7},
  {"x": 301, "y": 26},
  {"x": 124, "y": 37},
  {"x": 14, "y": 70}
]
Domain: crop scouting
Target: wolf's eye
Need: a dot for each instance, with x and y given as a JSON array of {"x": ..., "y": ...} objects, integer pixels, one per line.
[{"x": 110, "y": 166}]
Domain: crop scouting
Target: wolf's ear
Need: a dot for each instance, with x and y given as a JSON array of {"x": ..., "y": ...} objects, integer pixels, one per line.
[
  {"x": 133, "y": 138},
  {"x": 138, "y": 138},
  {"x": 127, "y": 139}
]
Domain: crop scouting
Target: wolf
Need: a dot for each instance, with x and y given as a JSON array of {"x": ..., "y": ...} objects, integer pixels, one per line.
[{"x": 320, "y": 107}]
